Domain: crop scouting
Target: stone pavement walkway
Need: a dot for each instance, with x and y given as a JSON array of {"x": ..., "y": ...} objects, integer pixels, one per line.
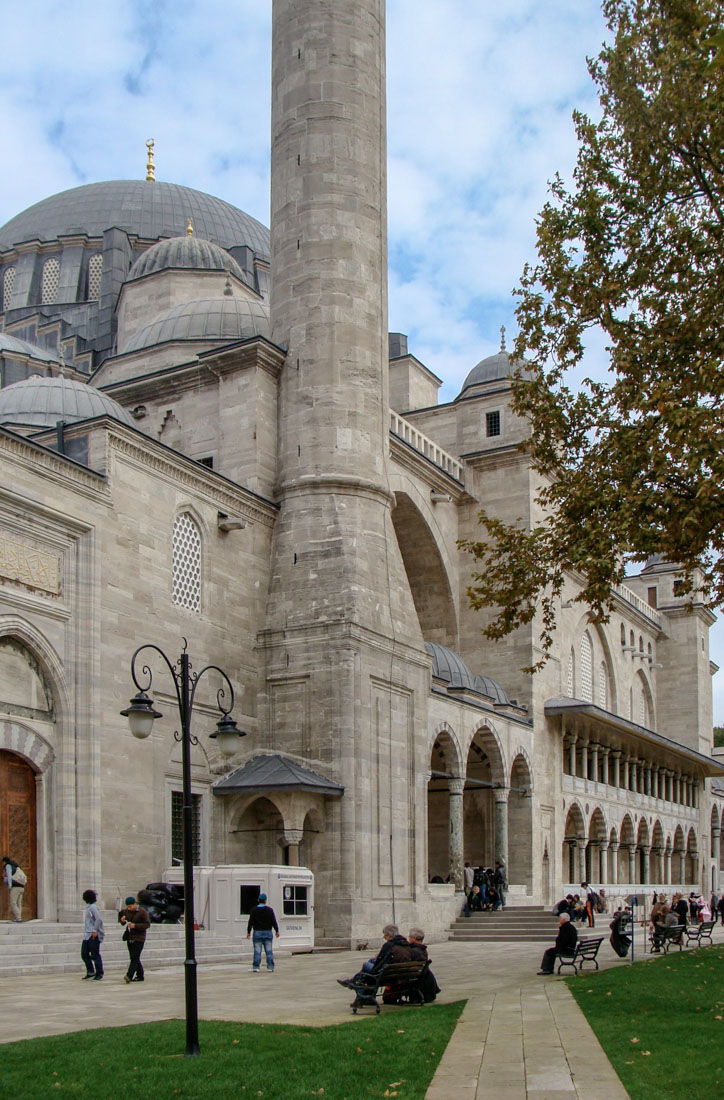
[{"x": 519, "y": 1035}]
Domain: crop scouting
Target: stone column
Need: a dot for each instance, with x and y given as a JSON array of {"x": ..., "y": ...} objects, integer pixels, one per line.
[
  {"x": 716, "y": 854},
  {"x": 456, "y": 785},
  {"x": 682, "y": 865},
  {"x": 614, "y": 862},
  {"x": 695, "y": 794},
  {"x": 603, "y": 864},
  {"x": 616, "y": 754},
  {"x": 501, "y": 826},
  {"x": 655, "y": 781},
  {"x": 605, "y": 764},
  {"x": 647, "y": 779},
  {"x": 581, "y": 845},
  {"x": 625, "y": 772},
  {"x": 667, "y": 866},
  {"x": 292, "y": 840},
  {"x": 572, "y": 738},
  {"x": 632, "y": 862},
  {"x": 594, "y": 760},
  {"x": 645, "y": 853},
  {"x": 669, "y": 785},
  {"x": 584, "y": 757},
  {"x": 633, "y": 772}
]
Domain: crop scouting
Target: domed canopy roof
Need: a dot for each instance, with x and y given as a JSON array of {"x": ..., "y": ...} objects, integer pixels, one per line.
[
  {"x": 14, "y": 345},
  {"x": 184, "y": 252},
  {"x": 447, "y": 665},
  {"x": 495, "y": 368},
  {"x": 42, "y": 402},
  {"x": 228, "y": 318},
  {"x": 146, "y": 209}
]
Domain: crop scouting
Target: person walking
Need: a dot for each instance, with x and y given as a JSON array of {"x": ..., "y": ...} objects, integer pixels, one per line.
[
  {"x": 590, "y": 903},
  {"x": 93, "y": 934},
  {"x": 262, "y": 920},
  {"x": 137, "y": 922},
  {"x": 500, "y": 883},
  {"x": 15, "y": 880}
]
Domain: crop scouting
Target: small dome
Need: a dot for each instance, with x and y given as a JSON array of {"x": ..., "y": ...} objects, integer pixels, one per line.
[
  {"x": 447, "y": 665},
  {"x": 189, "y": 252},
  {"x": 496, "y": 368},
  {"x": 228, "y": 318},
  {"x": 14, "y": 345},
  {"x": 41, "y": 402}
]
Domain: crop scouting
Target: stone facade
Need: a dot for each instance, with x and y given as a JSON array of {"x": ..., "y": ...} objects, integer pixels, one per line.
[{"x": 289, "y": 498}]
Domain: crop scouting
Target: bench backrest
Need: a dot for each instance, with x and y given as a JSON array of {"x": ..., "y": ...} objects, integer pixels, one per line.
[
  {"x": 706, "y": 926},
  {"x": 589, "y": 946},
  {"x": 674, "y": 931},
  {"x": 403, "y": 971}
]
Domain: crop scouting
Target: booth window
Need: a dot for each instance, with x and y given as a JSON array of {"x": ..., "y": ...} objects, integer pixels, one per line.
[
  {"x": 295, "y": 901},
  {"x": 248, "y": 898},
  {"x": 177, "y": 827}
]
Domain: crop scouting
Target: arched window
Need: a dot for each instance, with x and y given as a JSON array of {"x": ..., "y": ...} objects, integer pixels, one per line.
[
  {"x": 643, "y": 718},
  {"x": 623, "y": 634},
  {"x": 51, "y": 278},
  {"x": 586, "y": 678},
  {"x": 641, "y": 644},
  {"x": 187, "y": 562},
  {"x": 602, "y": 686},
  {"x": 95, "y": 270},
  {"x": 571, "y": 678},
  {"x": 630, "y": 704},
  {"x": 8, "y": 284}
]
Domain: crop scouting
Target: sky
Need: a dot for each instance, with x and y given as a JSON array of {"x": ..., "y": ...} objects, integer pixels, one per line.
[{"x": 479, "y": 99}]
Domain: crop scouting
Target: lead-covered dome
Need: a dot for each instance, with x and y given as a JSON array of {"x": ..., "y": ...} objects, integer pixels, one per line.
[
  {"x": 188, "y": 252},
  {"x": 147, "y": 209},
  {"x": 449, "y": 666},
  {"x": 208, "y": 319},
  {"x": 41, "y": 402}
]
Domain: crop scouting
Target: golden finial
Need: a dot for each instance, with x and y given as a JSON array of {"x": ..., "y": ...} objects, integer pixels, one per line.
[
  {"x": 502, "y": 337},
  {"x": 150, "y": 169},
  {"x": 190, "y": 228}
]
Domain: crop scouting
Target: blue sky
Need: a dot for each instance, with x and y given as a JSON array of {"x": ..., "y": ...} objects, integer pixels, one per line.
[{"x": 480, "y": 97}]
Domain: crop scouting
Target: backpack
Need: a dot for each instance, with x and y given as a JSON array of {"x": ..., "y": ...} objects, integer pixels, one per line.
[
  {"x": 20, "y": 877},
  {"x": 598, "y": 905}
]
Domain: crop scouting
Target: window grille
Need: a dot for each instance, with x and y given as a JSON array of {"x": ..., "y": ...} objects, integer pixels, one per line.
[
  {"x": 8, "y": 284},
  {"x": 492, "y": 423},
  {"x": 643, "y": 709},
  {"x": 95, "y": 270},
  {"x": 177, "y": 827},
  {"x": 51, "y": 279},
  {"x": 570, "y": 675},
  {"x": 187, "y": 563},
  {"x": 586, "y": 669},
  {"x": 295, "y": 901},
  {"x": 602, "y": 687}
]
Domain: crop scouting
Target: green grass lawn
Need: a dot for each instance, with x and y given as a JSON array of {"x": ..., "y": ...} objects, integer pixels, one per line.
[
  {"x": 394, "y": 1054},
  {"x": 661, "y": 1022}
]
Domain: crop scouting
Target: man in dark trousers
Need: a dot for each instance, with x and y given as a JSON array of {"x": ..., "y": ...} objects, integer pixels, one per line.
[
  {"x": 136, "y": 922},
  {"x": 565, "y": 944},
  {"x": 263, "y": 923}
]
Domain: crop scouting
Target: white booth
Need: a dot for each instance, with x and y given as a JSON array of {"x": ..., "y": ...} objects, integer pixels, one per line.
[{"x": 225, "y": 895}]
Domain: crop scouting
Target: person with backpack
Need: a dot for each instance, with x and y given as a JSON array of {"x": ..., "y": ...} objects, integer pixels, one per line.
[{"x": 15, "y": 879}]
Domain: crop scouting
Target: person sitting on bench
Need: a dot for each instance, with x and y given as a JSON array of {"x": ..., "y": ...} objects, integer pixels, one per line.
[
  {"x": 565, "y": 944},
  {"x": 394, "y": 949}
]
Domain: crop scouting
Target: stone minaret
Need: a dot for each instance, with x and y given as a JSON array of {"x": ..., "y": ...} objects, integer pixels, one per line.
[{"x": 346, "y": 674}]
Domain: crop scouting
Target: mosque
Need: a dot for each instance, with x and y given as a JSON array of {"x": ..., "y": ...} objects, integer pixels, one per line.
[{"x": 208, "y": 433}]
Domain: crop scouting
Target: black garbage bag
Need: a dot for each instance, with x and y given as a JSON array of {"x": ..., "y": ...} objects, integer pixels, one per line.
[
  {"x": 155, "y": 914},
  {"x": 172, "y": 913}
]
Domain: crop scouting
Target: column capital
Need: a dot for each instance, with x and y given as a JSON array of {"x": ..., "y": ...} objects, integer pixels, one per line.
[
  {"x": 616, "y": 753},
  {"x": 604, "y": 750},
  {"x": 501, "y": 794},
  {"x": 293, "y": 836},
  {"x": 456, "y": 784}
]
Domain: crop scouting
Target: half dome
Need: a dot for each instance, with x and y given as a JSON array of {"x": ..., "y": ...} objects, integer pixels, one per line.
[
  {"x": 207, "y": 319},
  {"x": 13, "y": 345},
  {"x": 41, "y": 402},
  {"x": 188, "y": 252},
  {"x": 146, "y": 209}
]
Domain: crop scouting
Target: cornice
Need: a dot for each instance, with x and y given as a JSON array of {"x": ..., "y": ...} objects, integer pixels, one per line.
[{"x": 57, "y": 468}]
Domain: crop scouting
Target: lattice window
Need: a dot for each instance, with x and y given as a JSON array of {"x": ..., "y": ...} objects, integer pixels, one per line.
[
  {"x": 95, "y": 270},
  {"x": 570, "y": 684},
  {"x": 187, "y": 563},
  {"x": 177, "y": 827},
  {"x": 51, "y": 278},
  {"x": 586, "y": 687},
  {"x": 643, "y": 709},
  {"x": 8, "y": 284},
  {"x": 602, "y": 686}
]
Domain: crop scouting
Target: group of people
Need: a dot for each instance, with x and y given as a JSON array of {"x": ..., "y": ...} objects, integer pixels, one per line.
[
  {"x": 135, "y": 921},
  {"x": 583, "y": 906},
  {"x": 484, "y": 888},
  {"x": 395, "y": 948}
]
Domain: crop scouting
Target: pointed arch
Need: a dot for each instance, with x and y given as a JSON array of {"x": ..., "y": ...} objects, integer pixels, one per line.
[
  {"x": 427, "y": 575},
  {"x": 520, "y": 823}
]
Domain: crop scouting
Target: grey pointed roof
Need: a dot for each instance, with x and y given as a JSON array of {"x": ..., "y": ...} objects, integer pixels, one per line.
[
  {"x": 273, "y": 772},
  {"x": 224, "y": 318},
  {"x": 42, "y": 402},
  {"x": 188, "y": 252},
  {"x": 447, "y": 665},
  {"x": 146, "y": 209},
  {"x": 13, "y": 344}
]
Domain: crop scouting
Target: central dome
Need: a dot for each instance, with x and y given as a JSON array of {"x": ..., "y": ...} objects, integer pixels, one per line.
[{"x": 146, "y": 209}]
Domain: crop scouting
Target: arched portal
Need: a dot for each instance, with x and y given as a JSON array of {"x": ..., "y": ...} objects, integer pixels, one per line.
[
  {"x": 574, "y": 840},
  {"x": 692, "y": 854},
  {"x": 444, "y": 766},
  {"x": 18, "y": 828},
  {"x": 484, "y": 773},
  {"x": 426, "y": 574},
  {"x": 596, "y": 866},
  {"x": 642, "y": 872},
  {"x": 520, "y": 825},
  {"x": 658, "y": 875},
  {"x": 258, "y": 834},
  {"x": 627, "y": 846}
]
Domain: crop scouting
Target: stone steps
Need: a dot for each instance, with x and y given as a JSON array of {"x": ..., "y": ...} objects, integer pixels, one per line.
[{"x": 524, "y": 924}]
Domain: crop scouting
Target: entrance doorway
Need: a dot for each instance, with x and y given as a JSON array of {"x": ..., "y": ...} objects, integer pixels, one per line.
[{"x": 17, "y": 828}]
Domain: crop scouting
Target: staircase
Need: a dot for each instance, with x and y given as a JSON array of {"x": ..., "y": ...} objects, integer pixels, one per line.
[
  {"x": 41, "y": 947},
  {"x": 522, "y": 924}
]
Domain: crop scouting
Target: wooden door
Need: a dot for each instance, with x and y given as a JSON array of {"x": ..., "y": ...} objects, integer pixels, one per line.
[{"x": 17, "y": 828}]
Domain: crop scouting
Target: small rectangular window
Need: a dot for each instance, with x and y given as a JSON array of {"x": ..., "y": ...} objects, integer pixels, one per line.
[
  {"x": 653, "y": 597},
  {"x": 209, "y": 461},
  {"x": 248, "y": 898},
  {"x": 295, "y": 901},
  {"x": 492, "y": 423},
  {"x": 177, "y": 827},
  {"x": 679, "y": 587}
]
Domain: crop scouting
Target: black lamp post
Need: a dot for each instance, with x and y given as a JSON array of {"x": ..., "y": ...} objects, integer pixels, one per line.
[{"x": 141, "y": 715}]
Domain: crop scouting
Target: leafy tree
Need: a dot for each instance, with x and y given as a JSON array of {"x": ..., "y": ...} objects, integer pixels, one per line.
[
  {"x": 635, "y": 251},
  {"x": 718, "y": 737}
]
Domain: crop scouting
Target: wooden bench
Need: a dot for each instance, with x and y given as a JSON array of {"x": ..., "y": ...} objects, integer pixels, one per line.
[
  {"x": 586, "y": 951},
  {"x": 673, "y": 936},
  {"x": 405, "y": 977},
  {"x": 699, "y": 932}
]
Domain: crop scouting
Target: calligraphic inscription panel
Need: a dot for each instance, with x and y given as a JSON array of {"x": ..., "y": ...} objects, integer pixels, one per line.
[{"x": 29, "y": 565}]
